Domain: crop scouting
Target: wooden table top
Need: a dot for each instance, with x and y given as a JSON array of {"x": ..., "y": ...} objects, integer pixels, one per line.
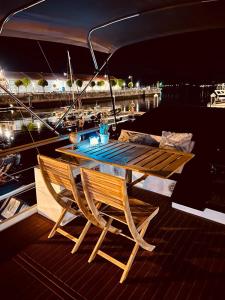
[{"x": 145, "y": 159}]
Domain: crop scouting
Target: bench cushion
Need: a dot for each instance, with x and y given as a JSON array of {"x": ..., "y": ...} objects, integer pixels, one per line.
[
  {"x": 139, "y": 138},
  {"x": 179, "y": 141}
]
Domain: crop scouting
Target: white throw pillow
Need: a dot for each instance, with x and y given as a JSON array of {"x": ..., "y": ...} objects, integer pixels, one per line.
[
  {"x": 179, "y": 141},
  {"x": 139, "y": 138}
]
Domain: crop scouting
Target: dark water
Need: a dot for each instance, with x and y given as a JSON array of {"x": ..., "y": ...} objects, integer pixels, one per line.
[
  {"x": 140, "y": 103},
  {"x": 20, "y": 137},
  {"x": 191, "y": 94}
]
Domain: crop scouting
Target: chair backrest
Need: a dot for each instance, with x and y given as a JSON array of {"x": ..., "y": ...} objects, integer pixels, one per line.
[
  {"x": 104, "y": 188},
  {"x": 111, "y": 190},
  {"x": 54, "y": 171},
  {"x": 61, "y": 173}
]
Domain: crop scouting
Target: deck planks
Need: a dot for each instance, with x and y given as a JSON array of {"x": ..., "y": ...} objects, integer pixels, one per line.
[{"x": 188, "y": 262}]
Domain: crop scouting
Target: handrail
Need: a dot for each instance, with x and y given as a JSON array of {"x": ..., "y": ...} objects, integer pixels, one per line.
[
  {"x": 43, "y": 142},
  {"x": 32, "y": 145}
]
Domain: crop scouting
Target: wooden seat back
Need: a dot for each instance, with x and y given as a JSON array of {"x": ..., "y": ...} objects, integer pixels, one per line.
[
  {"x": 54, "y": 171},
  {"x": 104, "y": 188},
  {"x": 110, "y": 190},
  {"x": 61, "y": 173}
]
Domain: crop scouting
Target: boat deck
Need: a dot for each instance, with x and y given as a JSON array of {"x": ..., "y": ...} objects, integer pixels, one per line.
[{"x": 188, "y": 262}]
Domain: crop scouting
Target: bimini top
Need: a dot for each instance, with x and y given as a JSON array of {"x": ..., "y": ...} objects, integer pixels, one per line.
[{"x": 69, "y": 21}]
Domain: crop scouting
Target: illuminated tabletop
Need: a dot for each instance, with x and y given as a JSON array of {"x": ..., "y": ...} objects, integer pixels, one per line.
[{"x": 132, "y": 157}]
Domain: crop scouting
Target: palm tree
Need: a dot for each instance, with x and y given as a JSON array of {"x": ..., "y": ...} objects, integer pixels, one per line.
[
  {"x": 18, "y": 83},
  {"x": 26, "y": 82}
]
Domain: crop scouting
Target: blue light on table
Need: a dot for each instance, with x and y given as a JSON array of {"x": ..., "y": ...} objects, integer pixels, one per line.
[{"x": 94, "y": 140}]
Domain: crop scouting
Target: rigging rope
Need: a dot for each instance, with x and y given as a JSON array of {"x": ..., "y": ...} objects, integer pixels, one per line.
[{"x": 45, "y": 58}]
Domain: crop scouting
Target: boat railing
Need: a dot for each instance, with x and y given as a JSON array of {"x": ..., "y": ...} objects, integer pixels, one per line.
[
  {"x": 33, "y": 145},
  {"x": 45, "y": 145},
  {"x": 17, "y": 186}
]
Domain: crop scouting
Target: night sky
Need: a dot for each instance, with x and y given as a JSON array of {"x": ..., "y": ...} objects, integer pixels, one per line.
[
  {"x": 25, "y": 55},
  {"x": 195, "y": 57}
]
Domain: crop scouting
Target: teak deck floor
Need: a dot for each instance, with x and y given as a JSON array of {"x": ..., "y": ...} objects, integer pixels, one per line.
[{"x": 188, "y": 262}]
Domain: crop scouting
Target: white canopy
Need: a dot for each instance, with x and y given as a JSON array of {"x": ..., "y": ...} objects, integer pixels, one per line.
[{"x": 69, "y": 21}]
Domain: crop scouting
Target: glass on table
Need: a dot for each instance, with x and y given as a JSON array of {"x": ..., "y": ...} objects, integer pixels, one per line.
[
  {"x": 93, "y": 141},
  {"x": 114, "y": 127}
]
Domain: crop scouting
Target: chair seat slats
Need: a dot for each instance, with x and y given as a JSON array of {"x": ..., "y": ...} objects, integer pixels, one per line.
[
  {"x": 140, "y": 211},
  {"x": 132, "y": 212}
]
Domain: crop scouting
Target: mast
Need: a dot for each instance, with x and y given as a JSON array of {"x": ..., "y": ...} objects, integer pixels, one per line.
[{"x": 71, "y": 75}]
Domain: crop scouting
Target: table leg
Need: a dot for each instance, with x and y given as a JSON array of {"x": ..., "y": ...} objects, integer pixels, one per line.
[
  {"x": 70, "y": 159},
  {"x": 139, "y": 179},
  {"x": 128, "y": 177}
]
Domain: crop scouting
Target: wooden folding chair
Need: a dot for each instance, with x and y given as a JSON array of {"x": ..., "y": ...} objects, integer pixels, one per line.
[
  {"x": 70, "y": 198},
  {"x": 134, "y": 213}
]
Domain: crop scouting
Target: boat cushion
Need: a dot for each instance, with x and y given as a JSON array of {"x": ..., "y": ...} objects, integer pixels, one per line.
[
  {"x": 179, "y": 141},
  {"x": 139, "y": 138}
]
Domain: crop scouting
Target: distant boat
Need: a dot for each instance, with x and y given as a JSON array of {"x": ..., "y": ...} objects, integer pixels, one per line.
[
  {"x": 86, "y": 114},
  {"x": 218, "y": 99}
]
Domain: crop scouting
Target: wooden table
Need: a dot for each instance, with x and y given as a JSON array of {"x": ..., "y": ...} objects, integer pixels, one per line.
[{"x": 132, "y": 157}]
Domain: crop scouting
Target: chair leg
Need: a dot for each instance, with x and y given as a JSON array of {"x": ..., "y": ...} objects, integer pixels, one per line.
[
  {"x": 133, "y": 255},
  {"x": 100, "y": 240},
  {"x": 53, "y": 231},
  {"x": 81, "y": 237}
]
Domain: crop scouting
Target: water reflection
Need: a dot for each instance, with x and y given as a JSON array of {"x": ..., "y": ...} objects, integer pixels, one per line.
[{"x": 18, "y": 127}]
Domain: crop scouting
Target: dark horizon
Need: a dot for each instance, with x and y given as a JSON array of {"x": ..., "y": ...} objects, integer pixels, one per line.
[{"x": 191, "y": 57}]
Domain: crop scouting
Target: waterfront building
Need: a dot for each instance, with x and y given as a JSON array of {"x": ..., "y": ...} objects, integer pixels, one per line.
[{"x": 57, "y": 82}]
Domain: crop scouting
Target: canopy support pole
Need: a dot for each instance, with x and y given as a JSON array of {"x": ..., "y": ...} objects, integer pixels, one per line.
[
  {"x": 95, "y": 60},
  {"x": 16, "y": 11},
  {"x": 103, "y": 26},
  {"x": 112, "y": 96}
]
